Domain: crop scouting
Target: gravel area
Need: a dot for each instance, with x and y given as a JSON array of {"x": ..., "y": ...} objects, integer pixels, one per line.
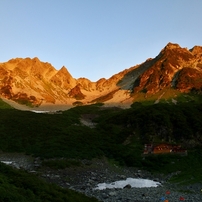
[{"x": 85, "y": 179}]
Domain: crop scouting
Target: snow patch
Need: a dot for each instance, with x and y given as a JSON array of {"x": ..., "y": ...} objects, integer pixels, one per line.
[
  {"x": 35, "y": 111},
  {"x": 138, "y": 183},
  {"x": 7, "y": 162}
]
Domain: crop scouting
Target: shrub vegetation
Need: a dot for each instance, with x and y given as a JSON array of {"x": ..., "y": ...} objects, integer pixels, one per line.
[{"x": 120, "y": 134}]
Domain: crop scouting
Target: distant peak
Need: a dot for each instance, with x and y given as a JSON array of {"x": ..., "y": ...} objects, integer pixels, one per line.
[
  {"x": 64, "y": 70},
  {"x": 172, "y": 46},
  {"x": 196, "y": 49},
  {"x": 36, "y": 59}
]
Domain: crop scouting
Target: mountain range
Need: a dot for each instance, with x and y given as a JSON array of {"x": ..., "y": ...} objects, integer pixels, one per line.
[{"x": 173, "y": 73}]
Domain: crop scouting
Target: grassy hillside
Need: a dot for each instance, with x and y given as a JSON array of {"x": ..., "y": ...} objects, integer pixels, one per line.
[
  {"x": 120, "y": 134},
  {"x": 4, "y": 105},
  {"x": 19, "y": 186}
]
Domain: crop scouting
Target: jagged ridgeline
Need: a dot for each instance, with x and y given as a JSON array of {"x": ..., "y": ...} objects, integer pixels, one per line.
[{"x": 173, "y": 73}]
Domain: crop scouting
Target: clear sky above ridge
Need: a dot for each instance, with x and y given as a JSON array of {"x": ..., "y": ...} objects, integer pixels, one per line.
[{"x": 96, "y": 38}]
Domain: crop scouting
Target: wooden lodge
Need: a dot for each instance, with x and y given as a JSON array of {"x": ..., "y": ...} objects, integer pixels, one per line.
[{"x": 164, "y": 149}]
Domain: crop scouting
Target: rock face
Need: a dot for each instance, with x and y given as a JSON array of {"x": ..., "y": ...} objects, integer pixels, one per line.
[
  {"x": 32, "y": 82},
  {"x": 76, "y": 93},
  {"x": 174, "y": 67}
]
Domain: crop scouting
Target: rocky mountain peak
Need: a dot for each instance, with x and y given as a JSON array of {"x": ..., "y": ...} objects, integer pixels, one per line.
[
  {"x": 63, "y": 72},
  {"x": 32, "y": 81},
  {"x": 63, "y": 79},
  {"x": 86, "y": 84},
  {"x": 196, "y": 50},
  {"x": 36, "y": 60},
  {"x": 172, "y": 46},
  {"x": 167, "y": 70}
]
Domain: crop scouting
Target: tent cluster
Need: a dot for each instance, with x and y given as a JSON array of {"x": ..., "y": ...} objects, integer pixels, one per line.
[{"x": 164, "y": 199}]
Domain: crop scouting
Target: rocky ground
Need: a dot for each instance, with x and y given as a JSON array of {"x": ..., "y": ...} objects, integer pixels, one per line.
[{"x": 89, "y": 174}]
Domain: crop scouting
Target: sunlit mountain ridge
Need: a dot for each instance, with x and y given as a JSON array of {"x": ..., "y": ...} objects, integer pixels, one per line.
[{"x": 173, "y": 72}]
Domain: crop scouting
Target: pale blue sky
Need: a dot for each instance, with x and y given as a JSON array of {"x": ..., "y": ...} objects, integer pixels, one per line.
[{"x": 96, "y": 38}]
